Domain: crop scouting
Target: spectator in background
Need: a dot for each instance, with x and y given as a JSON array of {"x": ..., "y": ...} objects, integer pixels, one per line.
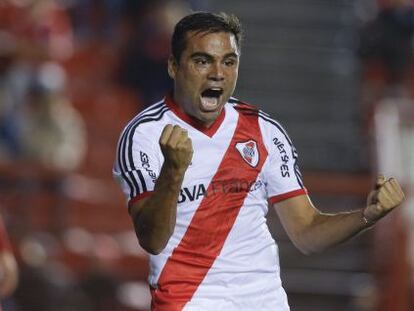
[
  {"x": 8, "y": 265},
  {"x": 386, "y": 49},
  {"x": 394, "y": 142},
  {"x": 146, "y": 48},
  {"x": 33, "y": 32},
  {"x": 43, "y": 27},
  {"x": 388, "y": 37},
  {"x": 9, "y": 94},
  {"x": 96, "y": 18},
  {"x": 53, "y": 133}
]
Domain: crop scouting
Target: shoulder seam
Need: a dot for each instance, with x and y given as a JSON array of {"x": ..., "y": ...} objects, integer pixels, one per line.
[
  {"x": 277, "y": 125},
  {"x": 246, "y": 108},
  {"x": 153, "y": 108}
]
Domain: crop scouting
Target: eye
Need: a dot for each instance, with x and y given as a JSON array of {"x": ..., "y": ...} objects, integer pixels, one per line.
[
  {"x": 230, "y": 62},
  {"x": 200, "y": 61}
]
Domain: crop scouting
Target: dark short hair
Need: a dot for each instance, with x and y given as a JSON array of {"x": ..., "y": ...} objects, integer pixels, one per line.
[{"x": 204, "y": 22}]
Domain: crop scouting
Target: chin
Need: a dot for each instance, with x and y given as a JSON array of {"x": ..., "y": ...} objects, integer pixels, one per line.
[{"x": 210, "y": 118}]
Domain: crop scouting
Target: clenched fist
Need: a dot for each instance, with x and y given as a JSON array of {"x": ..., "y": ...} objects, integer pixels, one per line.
[
  {"x": 176, "y": 147},
  {"x": 386, "y": 196}
]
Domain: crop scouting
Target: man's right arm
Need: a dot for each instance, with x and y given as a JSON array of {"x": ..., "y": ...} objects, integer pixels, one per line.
[{"x": 154, "y": 216}]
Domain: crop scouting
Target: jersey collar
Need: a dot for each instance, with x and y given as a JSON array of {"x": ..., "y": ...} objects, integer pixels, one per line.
[{"x": 195, "y": 123}]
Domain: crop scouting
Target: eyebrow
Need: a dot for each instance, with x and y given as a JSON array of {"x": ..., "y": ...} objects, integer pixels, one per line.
[
  {"x": 232, "y": 54},
  {"x": 202, "y": 54}
]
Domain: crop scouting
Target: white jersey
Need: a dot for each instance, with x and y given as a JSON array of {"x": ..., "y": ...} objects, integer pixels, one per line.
[{"x": 221, "y": 255}]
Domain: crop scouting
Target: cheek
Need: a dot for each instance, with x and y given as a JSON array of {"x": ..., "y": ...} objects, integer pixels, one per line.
[
  {"x": 233, "y": 77},
  {"x": 194, "y": 70},
  {"x": 232, "y": 72},
  {"x": 194, "y": 79},
  {"x": 188, "y": 79}
]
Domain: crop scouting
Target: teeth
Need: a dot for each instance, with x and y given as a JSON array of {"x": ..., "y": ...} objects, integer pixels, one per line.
[{"x": 209, "y": 103}]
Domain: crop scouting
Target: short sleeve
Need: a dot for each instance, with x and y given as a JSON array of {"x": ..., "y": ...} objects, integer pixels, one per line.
[
  {"x": 137, "y": 163},
  {"x": 281, "y": 172}
]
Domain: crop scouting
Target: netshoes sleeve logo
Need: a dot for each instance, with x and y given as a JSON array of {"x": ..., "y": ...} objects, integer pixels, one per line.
[
  {"x": 284, "y": 168},
  {"x": 146, "y": 166}
]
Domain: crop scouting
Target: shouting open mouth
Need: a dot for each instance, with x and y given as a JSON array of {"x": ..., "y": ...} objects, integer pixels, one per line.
[{"x": 210, "y": 99}]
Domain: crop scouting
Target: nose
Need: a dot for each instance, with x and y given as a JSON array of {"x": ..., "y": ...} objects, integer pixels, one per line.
[{"x": 216, "y": 73}]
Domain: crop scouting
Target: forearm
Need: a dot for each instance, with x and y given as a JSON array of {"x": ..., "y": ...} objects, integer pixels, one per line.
[
  {"x": 155, "y": 217},
  {"x": 327, "y": 230},
  {"x": 312, "y": 231}
]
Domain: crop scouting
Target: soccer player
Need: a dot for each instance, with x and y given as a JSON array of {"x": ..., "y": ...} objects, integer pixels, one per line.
[{"x": 200, "y": 169}]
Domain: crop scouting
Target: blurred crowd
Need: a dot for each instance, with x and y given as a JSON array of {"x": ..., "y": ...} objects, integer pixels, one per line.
[
  {"x": 57, "y": 57},
  {"x": 387, "y": 101},
  {"x": 72, "y": 73}
]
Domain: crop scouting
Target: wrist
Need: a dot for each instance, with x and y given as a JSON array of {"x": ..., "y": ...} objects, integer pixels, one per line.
[
  {"x": 366, "y": 221},
  {"x": 170, "y": 179},
  {"x": 174, "y": 169},
  {"x": 174, "y": 174}
]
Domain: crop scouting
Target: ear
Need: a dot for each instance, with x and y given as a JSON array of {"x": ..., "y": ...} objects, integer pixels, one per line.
[{"x": 172, "y": 66}]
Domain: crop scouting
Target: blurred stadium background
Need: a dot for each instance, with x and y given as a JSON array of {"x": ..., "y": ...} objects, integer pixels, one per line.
[{"x": 337, "y": 73}]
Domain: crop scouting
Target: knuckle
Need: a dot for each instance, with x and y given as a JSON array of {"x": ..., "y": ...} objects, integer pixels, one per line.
[
  {"x": 169, "y": 146},
  {"x": 167, "y": 130},
  {"x": 380, "y": 208}
]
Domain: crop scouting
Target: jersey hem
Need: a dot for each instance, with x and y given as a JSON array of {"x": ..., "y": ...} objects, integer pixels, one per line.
[
  {"x": 139, "y": 197},
  {"x": 287, "y": 195}
]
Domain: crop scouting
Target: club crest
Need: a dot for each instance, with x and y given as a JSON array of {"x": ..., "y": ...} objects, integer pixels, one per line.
[{"x": 248, "y": 151}]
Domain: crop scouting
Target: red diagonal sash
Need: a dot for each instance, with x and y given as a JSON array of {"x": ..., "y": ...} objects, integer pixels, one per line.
[{"x": 190, "y": 261}]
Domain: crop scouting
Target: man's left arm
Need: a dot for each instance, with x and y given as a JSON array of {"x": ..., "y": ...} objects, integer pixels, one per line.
[{"x": 312, "y": 231}]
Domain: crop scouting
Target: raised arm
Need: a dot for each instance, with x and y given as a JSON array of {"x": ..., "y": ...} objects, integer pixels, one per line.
[
  {"x": 154, "y": 216},
  {"x": 312, "y": 231}
]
